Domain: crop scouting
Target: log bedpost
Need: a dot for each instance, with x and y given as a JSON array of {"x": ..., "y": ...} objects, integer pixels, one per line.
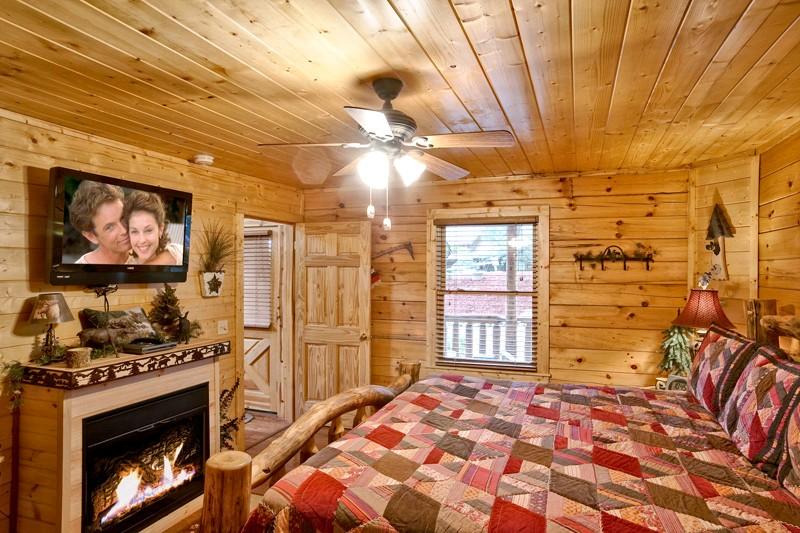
[
  {"x": 226, "y": 503},
  {"x": 755, "y": 309}
]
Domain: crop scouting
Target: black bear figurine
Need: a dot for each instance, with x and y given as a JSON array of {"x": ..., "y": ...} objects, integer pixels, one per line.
[{"x": 184, "y": 328}]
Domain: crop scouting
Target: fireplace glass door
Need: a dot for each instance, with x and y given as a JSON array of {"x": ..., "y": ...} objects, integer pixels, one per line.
[{"x": 143, "y": 461}]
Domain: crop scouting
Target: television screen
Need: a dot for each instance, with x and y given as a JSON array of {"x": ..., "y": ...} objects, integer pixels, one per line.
[{"x": 106, "y": 230}]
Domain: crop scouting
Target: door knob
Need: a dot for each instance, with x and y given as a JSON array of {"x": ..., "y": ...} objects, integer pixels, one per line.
[{"x": 363, "y": 337}]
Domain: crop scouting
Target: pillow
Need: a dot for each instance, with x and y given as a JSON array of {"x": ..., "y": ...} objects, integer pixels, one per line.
[
  {"x": 717, "y": 366},
  {"x": 763, "y": 400},
  {"x": 789, "y": 469}
]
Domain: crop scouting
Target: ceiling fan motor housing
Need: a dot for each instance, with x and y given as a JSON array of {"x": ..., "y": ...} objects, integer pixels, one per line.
[{"x": 403, "y": 126}]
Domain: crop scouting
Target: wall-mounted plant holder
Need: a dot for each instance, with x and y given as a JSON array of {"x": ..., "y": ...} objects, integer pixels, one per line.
[{"x": 613, "y": 254}]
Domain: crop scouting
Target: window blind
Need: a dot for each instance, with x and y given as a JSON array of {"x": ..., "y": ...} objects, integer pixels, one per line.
[
  {"x": 258, "y": 280},
  {"x": 486, "y": 294}
]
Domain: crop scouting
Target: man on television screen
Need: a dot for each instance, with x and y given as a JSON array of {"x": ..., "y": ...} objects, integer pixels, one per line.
[{"x": 96, "y": 211}]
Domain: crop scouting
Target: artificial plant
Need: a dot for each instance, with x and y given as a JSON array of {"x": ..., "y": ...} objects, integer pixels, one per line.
[
  {"x": 677, "y": 350},
  {"x": 217, "y": 246},
  {"x": 228, "y": 426},
  {"x": 166, "y": 315}
]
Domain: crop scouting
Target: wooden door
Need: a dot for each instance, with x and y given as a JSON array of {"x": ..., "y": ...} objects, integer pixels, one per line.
[
  {"x": 332, "y": 310},
  {"x": 262, "y": 275},
  {"x": 260, "y": 378}
]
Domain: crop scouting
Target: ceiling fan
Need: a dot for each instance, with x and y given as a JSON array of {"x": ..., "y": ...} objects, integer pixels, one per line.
[{"x": 391, "y": 135}]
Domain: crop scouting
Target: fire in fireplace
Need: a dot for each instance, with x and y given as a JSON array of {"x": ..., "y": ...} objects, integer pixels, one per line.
[{"x": 143, "y": 461}]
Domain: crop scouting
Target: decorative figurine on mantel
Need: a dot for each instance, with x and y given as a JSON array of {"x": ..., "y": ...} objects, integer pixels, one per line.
[
  {"x": 169, "y": 320},
  {"x": 184, "y": 328}
]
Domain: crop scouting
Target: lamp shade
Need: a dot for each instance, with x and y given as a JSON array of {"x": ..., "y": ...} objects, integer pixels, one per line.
[
  {"x": 50, "y": 308},
  {"x": 701, "y": 310}
]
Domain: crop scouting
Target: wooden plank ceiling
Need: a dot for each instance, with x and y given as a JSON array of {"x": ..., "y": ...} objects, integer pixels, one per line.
[{"x": 583, "y": 84}]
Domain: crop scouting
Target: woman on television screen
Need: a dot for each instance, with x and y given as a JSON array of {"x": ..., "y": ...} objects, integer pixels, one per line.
[
  {"x": 96, "y": 211},
  {"x": 145, "y": 218}
]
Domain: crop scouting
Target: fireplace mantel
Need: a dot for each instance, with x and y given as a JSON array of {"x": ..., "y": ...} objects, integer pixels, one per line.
[
  {"x": 57, "y": 399},
  {"x": 112, "y": 368}
]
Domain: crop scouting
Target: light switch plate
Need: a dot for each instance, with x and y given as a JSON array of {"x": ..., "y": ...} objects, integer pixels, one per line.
[{"x": 222, "y": 327}]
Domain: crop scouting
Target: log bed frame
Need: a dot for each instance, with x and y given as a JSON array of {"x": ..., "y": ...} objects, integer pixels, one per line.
[{"x": 230, "y": 475}]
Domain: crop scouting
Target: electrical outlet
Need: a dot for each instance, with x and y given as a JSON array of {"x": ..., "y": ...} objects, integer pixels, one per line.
[{"x": 222, "y": 327}]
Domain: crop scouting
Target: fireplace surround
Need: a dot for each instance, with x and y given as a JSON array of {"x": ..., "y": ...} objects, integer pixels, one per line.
[
  {"x": 142, "y": 461},
  {"x": 52, "y": 430}
]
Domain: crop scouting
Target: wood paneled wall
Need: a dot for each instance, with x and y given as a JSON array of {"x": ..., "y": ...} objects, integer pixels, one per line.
[
  {"x": 605, "y": 326},
  {"x": 28, "y": 148},
  {"x": 779, "y": 225},
  {"x": 733, "y": 184}
]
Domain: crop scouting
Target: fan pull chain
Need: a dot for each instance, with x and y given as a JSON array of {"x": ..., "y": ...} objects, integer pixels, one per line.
[
  {"x": 387, "y": 222},
  {"x": 370, "y": 207}
]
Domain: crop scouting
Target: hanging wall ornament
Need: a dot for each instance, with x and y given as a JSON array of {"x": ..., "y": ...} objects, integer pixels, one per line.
[{"x": 718, "y": 229}]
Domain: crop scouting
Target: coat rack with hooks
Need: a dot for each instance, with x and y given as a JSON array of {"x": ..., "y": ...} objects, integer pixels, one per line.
[{"x": 613, "y": 254}]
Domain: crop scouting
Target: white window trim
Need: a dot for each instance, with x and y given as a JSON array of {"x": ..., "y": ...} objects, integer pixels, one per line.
[{"x": 493, "y": 215}]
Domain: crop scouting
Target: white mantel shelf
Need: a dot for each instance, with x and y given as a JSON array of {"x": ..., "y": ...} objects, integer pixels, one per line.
[{"x": 109, "y": 369}]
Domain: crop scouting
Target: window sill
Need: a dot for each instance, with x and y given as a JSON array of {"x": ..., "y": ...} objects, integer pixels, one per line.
[{"x": 487, "y": 370}]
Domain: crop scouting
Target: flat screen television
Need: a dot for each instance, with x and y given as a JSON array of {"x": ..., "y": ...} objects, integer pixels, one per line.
[{"x": 105, "y": 230}]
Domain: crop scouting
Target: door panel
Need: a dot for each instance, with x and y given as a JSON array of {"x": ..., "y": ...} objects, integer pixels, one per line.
[
  {"x": 260, "y": 385},
  {"x": 333, "y": 309}
]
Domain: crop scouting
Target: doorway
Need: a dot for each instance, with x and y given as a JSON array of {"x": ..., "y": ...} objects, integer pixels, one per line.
[{"x": 266, "y": 303}]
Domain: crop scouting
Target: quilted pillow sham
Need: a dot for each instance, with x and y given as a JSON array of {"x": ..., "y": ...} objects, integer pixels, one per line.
[
  {"x": 762, "y": 402},
  {"x": 718, "y": 365},
  {"x": 789, "y": 469}
]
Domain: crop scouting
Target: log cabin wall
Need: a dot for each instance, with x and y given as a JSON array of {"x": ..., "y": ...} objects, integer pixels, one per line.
[
  {"x": 605, "y": 327},
  {"x": 779, "y": 225},
  {"x": 28, "y": 148},
  {"x": 732, "y": 183}
]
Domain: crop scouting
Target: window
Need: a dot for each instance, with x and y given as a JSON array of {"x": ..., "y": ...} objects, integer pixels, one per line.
[
  {"x": 487, "y": 288},
  {"x": 258, "y": 279}
]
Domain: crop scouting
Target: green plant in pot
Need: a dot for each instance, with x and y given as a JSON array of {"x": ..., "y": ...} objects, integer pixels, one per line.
[{"x": 217, "y": 246}]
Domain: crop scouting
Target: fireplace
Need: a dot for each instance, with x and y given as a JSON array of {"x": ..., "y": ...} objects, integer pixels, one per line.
[{"x": 143, "y": 461}]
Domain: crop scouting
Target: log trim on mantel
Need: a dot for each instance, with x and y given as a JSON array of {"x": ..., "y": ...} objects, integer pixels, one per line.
[{"x": 111, "y": 369}]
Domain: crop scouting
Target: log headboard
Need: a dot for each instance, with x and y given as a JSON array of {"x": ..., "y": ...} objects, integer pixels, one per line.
[{"x": 787, "y": 326}]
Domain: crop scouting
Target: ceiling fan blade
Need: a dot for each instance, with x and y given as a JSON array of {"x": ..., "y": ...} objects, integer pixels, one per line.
[
  {"x": 373, "y": 122},
  {"x": 440, "y": 167},
  {"x": 313, "y": 145},
  {"x": 478, "y": 139},
  {"x": 349, "y": 168}
]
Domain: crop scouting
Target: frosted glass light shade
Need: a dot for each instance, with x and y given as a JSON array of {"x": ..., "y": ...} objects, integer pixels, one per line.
[
  {"x": 409, "y": 168},
  {"x": 373, "y": 169}
]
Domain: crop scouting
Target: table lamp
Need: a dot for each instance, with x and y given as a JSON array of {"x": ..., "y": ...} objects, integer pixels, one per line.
[
  {"x": 701, "y": 310},
  {"x": 50, "y": 309}
]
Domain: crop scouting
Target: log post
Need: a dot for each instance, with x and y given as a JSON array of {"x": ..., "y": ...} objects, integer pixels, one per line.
[
  {"x": 336, "y": 430},
  {"x": 227, "y": 492},
  {"x": 753, "y": 311},
  {"x": 309, "y": 449},
  {"x": 360, "y": 416},
  {"x": 411, "y": 368}
]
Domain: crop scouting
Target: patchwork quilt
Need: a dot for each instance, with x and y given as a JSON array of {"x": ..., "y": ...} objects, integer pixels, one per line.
[{"x": 464, "y": 454}]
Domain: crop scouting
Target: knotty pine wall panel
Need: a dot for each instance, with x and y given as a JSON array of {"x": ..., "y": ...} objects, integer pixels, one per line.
[
  {"x": 605, "y": 326},
  {"x": 779, "y": 225},
  {"x": 733, "y": 184},
  {"x": 28, "y": 148}
]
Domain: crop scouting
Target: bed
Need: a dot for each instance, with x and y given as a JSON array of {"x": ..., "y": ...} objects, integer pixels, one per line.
[{"x": 456, "y": 453}]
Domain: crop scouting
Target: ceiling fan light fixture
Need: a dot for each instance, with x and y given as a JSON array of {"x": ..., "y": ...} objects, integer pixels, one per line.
[
  {"x": 409, "y": 168},
  {"x": 373, "y": 169}
]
